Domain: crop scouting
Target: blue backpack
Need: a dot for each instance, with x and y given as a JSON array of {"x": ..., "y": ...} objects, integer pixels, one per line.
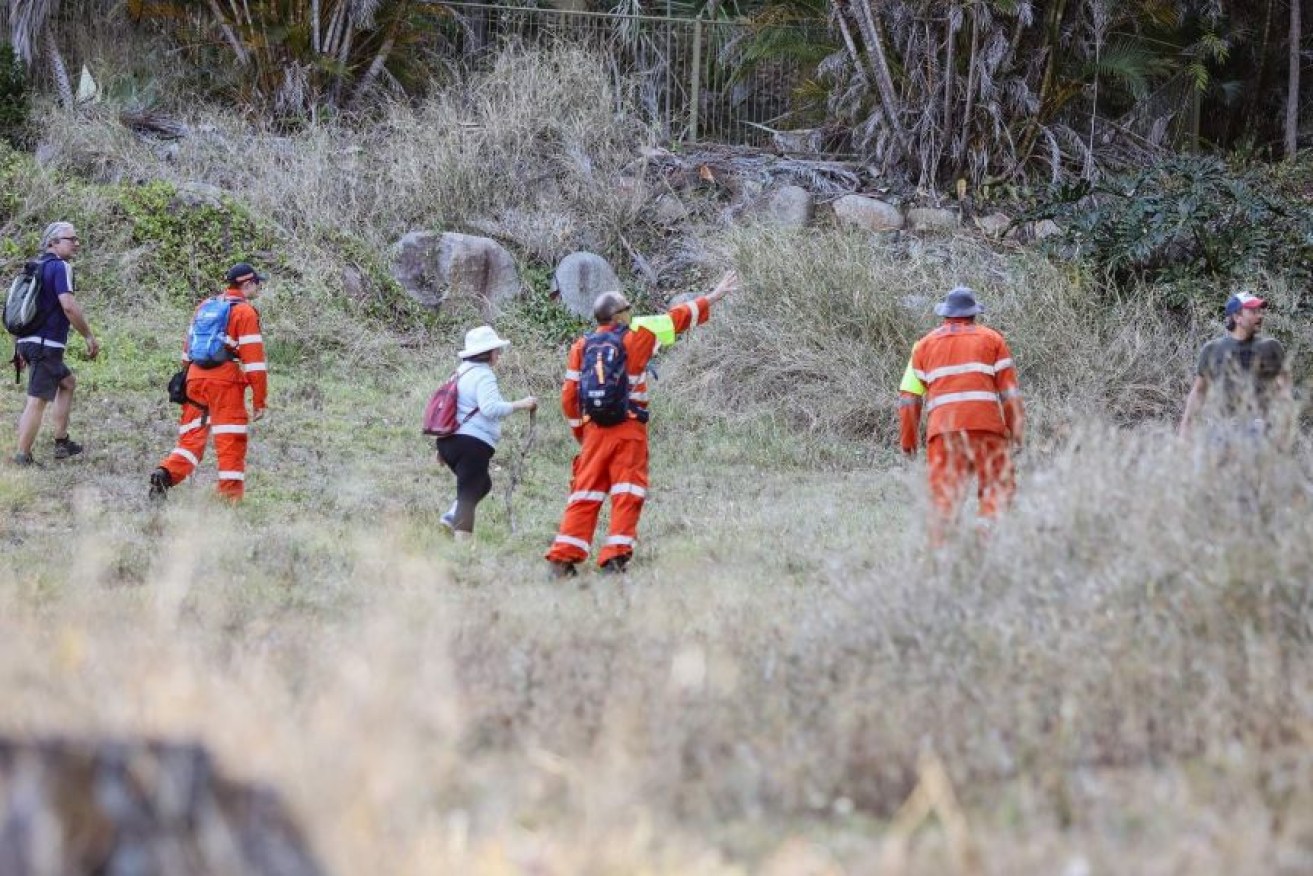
[
  {"x": 604, "y": 379},
  {"x": 207, "y": 339}
]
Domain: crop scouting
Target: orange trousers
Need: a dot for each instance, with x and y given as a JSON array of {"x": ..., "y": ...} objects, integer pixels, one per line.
[
  {"x": 607, "y": 465},
  {"x": 224, "y": 414},
  {"x": 952, "y": 457}
]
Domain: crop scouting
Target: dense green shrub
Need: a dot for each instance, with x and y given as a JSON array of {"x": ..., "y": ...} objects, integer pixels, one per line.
[
  {"x": 1191, "y": 223},
  {"x": 15, "y": 102},
  {"x": 191, "y": 243}
]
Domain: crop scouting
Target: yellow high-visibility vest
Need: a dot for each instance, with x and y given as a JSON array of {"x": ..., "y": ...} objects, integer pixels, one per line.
[{"x": 663, "y": 326}]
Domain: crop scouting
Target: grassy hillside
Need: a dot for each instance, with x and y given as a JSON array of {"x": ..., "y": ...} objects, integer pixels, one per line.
[{"x": 1118, "y": 680}]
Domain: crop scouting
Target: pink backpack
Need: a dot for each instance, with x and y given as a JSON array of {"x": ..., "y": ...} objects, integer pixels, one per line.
[{"x": 440, "y": 414}]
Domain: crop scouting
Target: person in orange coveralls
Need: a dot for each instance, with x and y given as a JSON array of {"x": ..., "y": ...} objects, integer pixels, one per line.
[
  {"x": 964, "y": 376},
  {"x": 613, "y": 459},
  {"x": 216, "y": 397}
]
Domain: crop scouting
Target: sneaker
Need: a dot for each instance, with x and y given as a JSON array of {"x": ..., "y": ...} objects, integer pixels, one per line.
[
  {"x": 615, "y": 565},
  {"x": 66, "y": 447},
  {"x": 24, "y": 459},
  {"x": 561, "y": 569},
  {"x": 448, "y": 520},
  {"x": 160, "y": 483}
]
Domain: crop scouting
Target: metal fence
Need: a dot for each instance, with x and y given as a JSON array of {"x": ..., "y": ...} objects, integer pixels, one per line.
[{"x": 695, "y": 82}]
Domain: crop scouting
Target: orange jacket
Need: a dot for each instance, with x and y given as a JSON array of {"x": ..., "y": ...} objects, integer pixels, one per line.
[
  {"x": 249, "y": 368},
  {"x": 640, "y": 344},
  {"x": 965, "y": 374}
]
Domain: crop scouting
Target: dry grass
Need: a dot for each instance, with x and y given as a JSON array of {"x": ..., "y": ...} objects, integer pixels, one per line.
[
  {"x": 825, "y": 333},
  {"x": 542, "y": 151},
  {"x": 759, "y": 691}
]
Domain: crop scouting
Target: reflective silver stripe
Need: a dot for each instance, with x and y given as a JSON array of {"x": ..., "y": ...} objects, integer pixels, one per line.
[
  {"x": 953, "y": 370},
  {"x": 693, "y": 309},
  {"x": 637, "y": 378},
  {"x": 232, "y": 476},
  {"x": 633, "y": 489},
  {"x": 573, "y": 542},
  {"x": 37, "y": 339},
  {"x": 909, "y": 402},
  {"x": 250, "y": 339},
  {"x": 920, "y": 375},
  {"x": 638, "y": 396},
  {"x": 186, "y": 454},
  {"x": 1010, "y": 393},
  {"x": 586, "y": 496},
  {"x": 955, "y": 397},
  {"x": 228, "y": 430},
  {"x": 1002, "y": 365},
  {"x": 187, "y": 427},
  {"x": 620, "y": 539},
  {"x": 255, "y": 366},
  {"x": 575, "y": 424},
  {"x": 571, "y": 374}
]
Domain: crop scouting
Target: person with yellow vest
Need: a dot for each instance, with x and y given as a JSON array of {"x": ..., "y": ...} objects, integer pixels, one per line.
[
  {"x": 613, "y": 455},
  {"x": 216, "y": 393},
  {"x": 964, "y": 377}
]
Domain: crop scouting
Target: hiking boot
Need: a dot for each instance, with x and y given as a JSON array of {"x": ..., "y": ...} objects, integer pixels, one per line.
[
  {"x": 615, "y": 565},
  {"x": 24, "y": 459},
  {"x": 560, "y": 569},
  {"x": 160, "y": 483},
  {"x": 66, "y": 447}
]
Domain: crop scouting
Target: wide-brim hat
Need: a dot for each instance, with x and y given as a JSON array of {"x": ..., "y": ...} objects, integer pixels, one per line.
[
  {"x": 482, "y": 340},
  {"x": 960, "y": 301}
]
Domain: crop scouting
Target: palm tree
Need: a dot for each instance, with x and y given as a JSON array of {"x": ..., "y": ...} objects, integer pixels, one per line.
[{"x": 30, "y": 26}]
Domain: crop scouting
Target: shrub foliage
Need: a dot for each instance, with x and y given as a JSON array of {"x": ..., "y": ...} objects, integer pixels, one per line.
[{"x": 1190, "y": 222}]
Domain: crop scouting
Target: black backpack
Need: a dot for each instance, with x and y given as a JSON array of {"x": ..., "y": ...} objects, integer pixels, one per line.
[{"x": 604, "y": 379}]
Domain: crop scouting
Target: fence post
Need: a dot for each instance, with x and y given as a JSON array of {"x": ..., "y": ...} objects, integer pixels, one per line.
[{"x": 695, "y": 87}]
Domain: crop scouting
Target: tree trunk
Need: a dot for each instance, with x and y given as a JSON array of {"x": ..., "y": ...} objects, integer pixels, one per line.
[
  {"x": 890, "y": 105},
  {"x": 58, "y": 69},
  {"x": 1292, "y": 91}
]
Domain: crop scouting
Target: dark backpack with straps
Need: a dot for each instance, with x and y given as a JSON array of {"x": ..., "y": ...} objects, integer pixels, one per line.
[
  {"x": 604, "y": 379},
  {"x": 440, "y": 419},
  {"x": 23, "y": 314}
]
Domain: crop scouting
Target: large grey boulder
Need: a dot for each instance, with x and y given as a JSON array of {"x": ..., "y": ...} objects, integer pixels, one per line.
[
  {"x": 436, "y": 269},
  {"x": 580, "y": 278},
  {"x": 138, "y": 807},
  {"x": 995, "y": 225},
  {"x": 932, "y": 219},
  {"x": 869, "y": 214},
  {"x": 789, "y": 207}
]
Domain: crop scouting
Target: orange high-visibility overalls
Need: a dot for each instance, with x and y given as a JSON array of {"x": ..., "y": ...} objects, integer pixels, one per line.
[
  {"x": 612, "y": 460},
  {"x": 218, "y": 403},
  {"x": 965, "y": 374}
]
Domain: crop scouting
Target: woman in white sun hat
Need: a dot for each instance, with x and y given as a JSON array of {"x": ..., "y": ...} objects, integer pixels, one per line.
[{"x": 480, "y": 409}]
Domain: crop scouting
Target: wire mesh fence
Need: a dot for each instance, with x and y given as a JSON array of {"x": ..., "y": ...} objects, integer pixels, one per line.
[{"x": 697, "y": 79}]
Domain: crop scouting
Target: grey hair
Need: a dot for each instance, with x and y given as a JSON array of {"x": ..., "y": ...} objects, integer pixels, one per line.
[
  {"x": 53, "y": 230},
  {"x": 607, "y": 305}
]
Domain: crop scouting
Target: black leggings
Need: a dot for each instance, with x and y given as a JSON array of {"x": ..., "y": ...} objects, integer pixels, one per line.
[{"x": 468, "y": 458}]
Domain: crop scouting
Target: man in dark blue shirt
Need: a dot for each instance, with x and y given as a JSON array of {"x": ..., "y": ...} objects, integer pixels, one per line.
[{"x": 49, "y": 379}]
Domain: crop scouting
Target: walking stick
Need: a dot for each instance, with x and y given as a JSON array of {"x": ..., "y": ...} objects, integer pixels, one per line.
[{"x": 517, "y": 467}]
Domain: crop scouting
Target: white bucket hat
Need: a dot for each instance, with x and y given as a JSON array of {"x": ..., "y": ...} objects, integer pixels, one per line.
[{"x": 481, "y": 340}]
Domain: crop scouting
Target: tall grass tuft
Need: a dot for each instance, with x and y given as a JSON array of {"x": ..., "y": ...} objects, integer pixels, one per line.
[{"x": 823, "y": 329}]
